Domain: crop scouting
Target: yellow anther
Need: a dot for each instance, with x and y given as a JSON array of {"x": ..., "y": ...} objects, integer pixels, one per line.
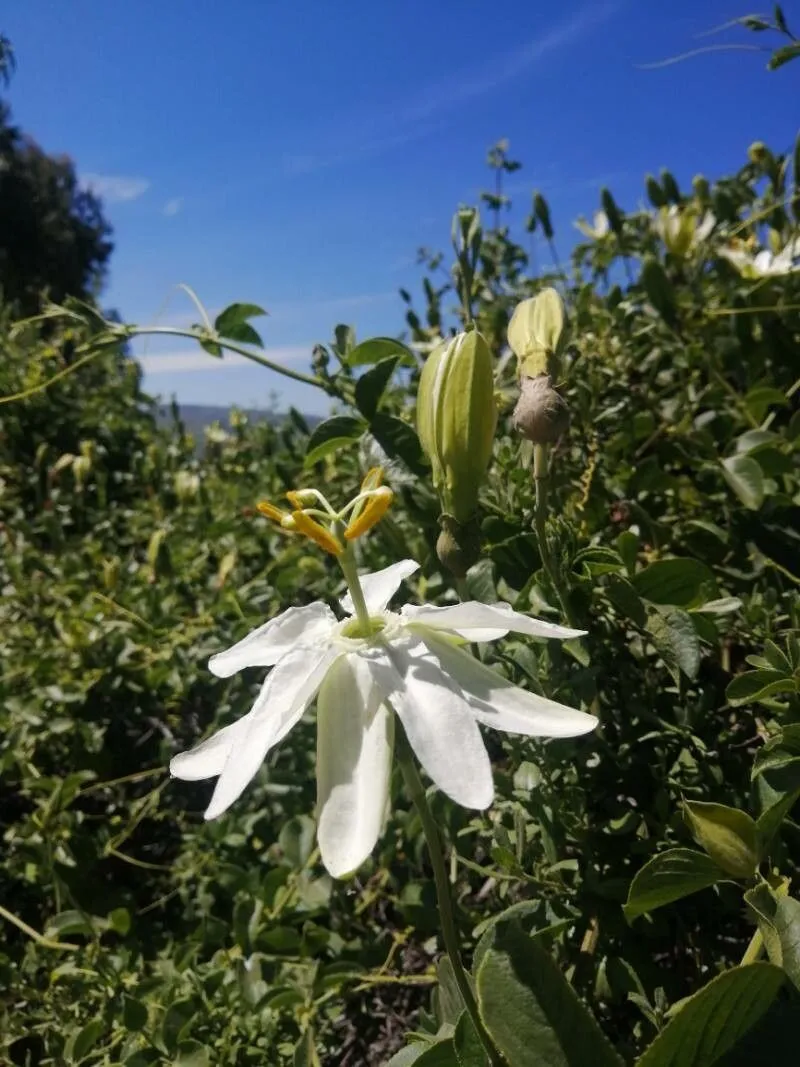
[
  {"x": 301, "y": 498},
  {"x": 372, "y": 479},
  {"x": 271, "y": 512},
  {"x": 375, "y": 508},
  {"x": 316, "y": 532}
]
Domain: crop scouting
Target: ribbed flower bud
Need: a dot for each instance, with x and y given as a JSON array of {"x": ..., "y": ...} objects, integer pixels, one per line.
[
  {"x": 537, "y": 336},
  {"x": 456, "y": 420}
]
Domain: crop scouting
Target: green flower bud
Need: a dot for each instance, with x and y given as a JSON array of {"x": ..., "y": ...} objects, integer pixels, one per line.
[
  {"x": 456, "y": 419},
  {"x": 537, "y": 334},
  {"x": 758, "y": 153}
]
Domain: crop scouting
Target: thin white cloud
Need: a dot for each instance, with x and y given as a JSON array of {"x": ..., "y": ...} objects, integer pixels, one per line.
[
  {"x": 188, "y": 362},
  {"x": 446, "y": 95},
  {"x": 172, "y": 207},
  {"x": 423, "y": 115},
  {"x": 115, "y": 189}
]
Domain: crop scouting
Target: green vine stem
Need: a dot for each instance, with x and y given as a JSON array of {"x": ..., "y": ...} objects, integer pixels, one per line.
[{"x": 408, "y": 766}]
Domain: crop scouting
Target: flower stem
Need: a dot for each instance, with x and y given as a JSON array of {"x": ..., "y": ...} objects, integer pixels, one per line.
[{"x": 415, "y": 787}]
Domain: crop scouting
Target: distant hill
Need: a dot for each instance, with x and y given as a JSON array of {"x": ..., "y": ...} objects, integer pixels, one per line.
[{"x": 196, "y": 417}]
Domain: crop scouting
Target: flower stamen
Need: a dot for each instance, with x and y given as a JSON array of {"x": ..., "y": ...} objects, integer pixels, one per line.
[
  {"x": 377, "y": 504},
  {"x": 317, "y": 533},
  {"x": 271, "y": 512}
]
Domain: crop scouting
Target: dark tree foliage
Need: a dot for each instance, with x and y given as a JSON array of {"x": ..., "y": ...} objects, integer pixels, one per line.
[{"x": 53, "y": 236}]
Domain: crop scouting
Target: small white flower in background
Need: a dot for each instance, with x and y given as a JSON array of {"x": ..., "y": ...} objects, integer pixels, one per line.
[
  {"x": 599, "y": 227},
  {"x": 682, "y": 228},
  {"x": 764, "y": 263},
  {"x": 413, "y": 660}
]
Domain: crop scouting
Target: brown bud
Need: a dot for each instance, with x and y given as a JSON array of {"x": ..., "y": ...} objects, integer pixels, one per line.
[
  {"x": 541, "y": 413},
  {"x": 459, "y": 545}
]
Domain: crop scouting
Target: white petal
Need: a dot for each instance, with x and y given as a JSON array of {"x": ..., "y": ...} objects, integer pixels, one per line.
[
  {"x": 380, "y": 586},
  {"x": 498, "y": 703},
  {"x": 437, "y": 720},
  {"x": 484, "y": 622},
  {"x": 207, "y": 759},
  {"x": 285, "y": 695},
  {"x": 764, "y": 262},
  {"x": 265, "y": 646},
  {"x": 354, "y": 762}
]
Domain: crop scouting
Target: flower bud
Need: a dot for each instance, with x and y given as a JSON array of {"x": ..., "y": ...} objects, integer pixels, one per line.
[
  {"x": 541, "y": 414},
  {"x": 459, "y": 545},
  {"x": 537, "y": 334},
  {"x": 456, "y": 419}
]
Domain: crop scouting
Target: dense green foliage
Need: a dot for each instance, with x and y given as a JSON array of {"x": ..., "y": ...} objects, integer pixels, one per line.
[{"x": 136, "y": 933}]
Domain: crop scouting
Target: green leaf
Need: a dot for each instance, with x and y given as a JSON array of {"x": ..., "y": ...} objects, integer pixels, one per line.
[
  {"x": 724, "y": 606},
  {"x": 769, "y": 822},
  {"x": 674, "y": 581},
  {"x": 377, "y": 349},
  {"x": 783, "y": 55},
  {"x": 192, "y": 1054},
  {"x": 442, "y": 1054},
  {"x": 711, "y": 1022},
  {"x": 331, "y": 435},
  {"x": 752, "y": 686},
  {"x": 778, "y": 918},
  {"x": 760, "y": 399},
  {"x": 296, "y": 839},
  {"x": 675, "y": 638},
  {"x": 729, "y": 836},
  {"x": 371, "y": 384},
  {"x": 71, "y": 922},
  {"x": 232, "y": 323},
  {"x": 448, "y": 1004},
  {"x": 659, "y": 289},
  {"x": 745, "y": 477},
  {"x": 469, "y": 1050},
  {"x": 211, "y": 347},
  {"x": 398, "y": 440},
  {"x": 177, "y": 1018},
  {"x": 305, "y": 1053},
  {"x": 81, "y": 1041},
  {"x": 667, "y": 877},
  {"x": 345, "y": 339},
  {"x": 780, "y": 752},
  {"x": 628, "y": 548},
  {"x": 530, "y": 1011},
  {"x": 408, "y": 1055},
  {"x": 625, "y": 599},
  {"x": 120, "y": 920},
  {"x": 134, "y": 1014}
]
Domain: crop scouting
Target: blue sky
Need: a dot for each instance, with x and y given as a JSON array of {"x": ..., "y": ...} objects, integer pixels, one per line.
[{"x": 297, "y": 155}]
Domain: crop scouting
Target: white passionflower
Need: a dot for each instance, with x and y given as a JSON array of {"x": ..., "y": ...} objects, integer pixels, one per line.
[
  {"x": 683, "y": 228},
  {"x": 597, "y": 229},
  {"x": 410, "y": 664},
  {"x": 764, "y": 263}
]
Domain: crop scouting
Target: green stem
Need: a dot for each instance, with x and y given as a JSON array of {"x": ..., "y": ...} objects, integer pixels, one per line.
[
  {"x": 193, "y": 335},
  {"x": 753, "y": 950},
  {"x": 415, "y": 787},
  {"x": 348, "y": 565},
  {"x": 541, "y": 474}
]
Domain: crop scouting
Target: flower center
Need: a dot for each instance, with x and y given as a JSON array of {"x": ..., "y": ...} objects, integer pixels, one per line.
[{"x": 353, "y": 628}]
